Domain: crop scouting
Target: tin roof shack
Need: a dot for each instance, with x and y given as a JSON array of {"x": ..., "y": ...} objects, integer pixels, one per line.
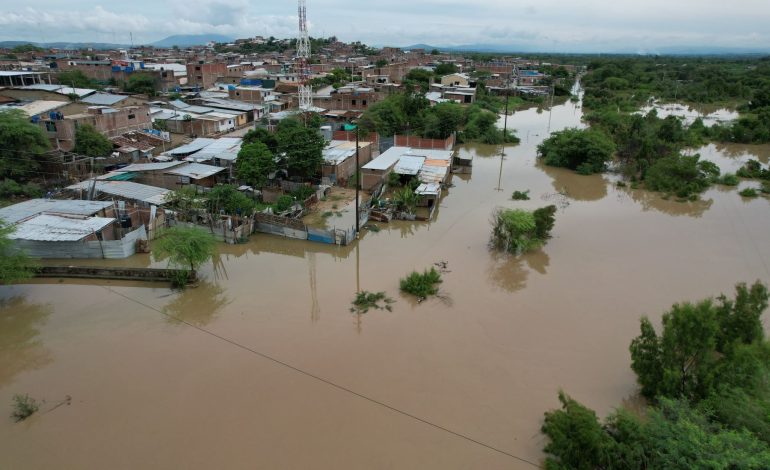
[
  {"x": 140, "y": 195},
  {"x": 428, "y": 165},
  {"x": 169, "y": 175},
  {"x": 373, "y": 174},
  {"x": 456, "y": 79},
  {"x": 110, "y": 122},
  {"x": 340, "y": 160},
  {"x": 221, "y": 152},
  {"x": 47, "y": 228}
]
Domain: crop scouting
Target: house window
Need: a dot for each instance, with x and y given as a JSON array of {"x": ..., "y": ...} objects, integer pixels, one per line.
[
  {"x": 363, "y": 102},
  {"x": 237, "y": 93},
  {"x": 354, "y": 102},
  {"x": 197, "y": 68},
  {"x": 132, "y": 116},
  {"x": 50, "y": 126}
]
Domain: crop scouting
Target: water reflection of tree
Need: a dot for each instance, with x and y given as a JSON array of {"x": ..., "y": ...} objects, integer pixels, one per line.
[
  {"x": 20, "y": 348},
  {"x": 197, "y": 305},
  {"x": 576, "y": 186},
  {"x": 650, "y": 200},
  {"x": 510, "y": 273}
]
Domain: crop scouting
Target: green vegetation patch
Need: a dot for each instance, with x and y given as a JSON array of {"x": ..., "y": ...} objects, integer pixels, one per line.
[
  {"x": 422, "y": 285},
  {"x": 520, "y": 195},
  {"x": 583, "y": 150},
  {"x": 23, "y": 407},
  {"x": 518, "y": 231},
  {"x": 365, "y": 301}
]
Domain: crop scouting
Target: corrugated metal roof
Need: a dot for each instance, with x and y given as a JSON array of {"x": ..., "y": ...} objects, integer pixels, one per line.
[
  {"x": 126, "y": 190},
  {"x": 428, "y": 189},
  {"x": 194, "y": 146},
  {"x": 139, "y": 167},
  {"x": 36, "y": 107},
  {"x": 409, "y": 165},
  {"x": 387, "y": 159},
  {"x": 433, "y": 174},
  {"x": 104, "y": 99},
  {"x": 54, "y": 228},
  {"x": 26, "y": 209},
  {"x": 196, "y": 171},
  {"x": 431, "y": 154}
]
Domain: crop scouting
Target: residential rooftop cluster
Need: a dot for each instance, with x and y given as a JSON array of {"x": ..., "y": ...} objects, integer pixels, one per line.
[{"x": 177, "y": 117}]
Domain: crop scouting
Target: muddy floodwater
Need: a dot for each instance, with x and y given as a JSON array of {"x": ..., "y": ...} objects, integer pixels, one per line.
[{"x": 264, "y": 365}]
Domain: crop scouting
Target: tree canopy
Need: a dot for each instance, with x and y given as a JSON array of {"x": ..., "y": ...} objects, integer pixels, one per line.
[
  {"x": 300, "y": 148},
  {"x": 91, "y": 143},
  {"x": 255, "y": 163},
  {"x": 706, "y": 378},
  {"x": 14, "y": 264},
  {"x": 22, "y": 144},
  {"x": 187, "y": 248},
  {"x": 583, "y": 150},
  {"x": 77, "y": 79},
  {"x": 141, "y": 83}
]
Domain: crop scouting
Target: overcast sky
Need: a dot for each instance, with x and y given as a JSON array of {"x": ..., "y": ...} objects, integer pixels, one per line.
[{"x": 551, "y": 25}]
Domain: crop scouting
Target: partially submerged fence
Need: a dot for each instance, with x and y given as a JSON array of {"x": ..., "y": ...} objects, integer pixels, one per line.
[
  {"x": 295, "y": 228},
  {"x": 95, "y": 272}
]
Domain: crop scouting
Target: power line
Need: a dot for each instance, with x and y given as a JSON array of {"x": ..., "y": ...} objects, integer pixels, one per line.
[{"x": 321, "y": 379}]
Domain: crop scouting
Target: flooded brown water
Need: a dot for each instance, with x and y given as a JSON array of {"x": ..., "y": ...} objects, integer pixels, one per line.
[{"x": 485, "y": 361}]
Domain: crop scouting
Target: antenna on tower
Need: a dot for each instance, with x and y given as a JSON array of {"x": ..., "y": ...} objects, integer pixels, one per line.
[{"x": 303, "y": 60}]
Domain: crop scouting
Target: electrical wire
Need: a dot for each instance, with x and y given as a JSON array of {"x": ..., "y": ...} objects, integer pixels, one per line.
[{"x": 323, "y": 380}]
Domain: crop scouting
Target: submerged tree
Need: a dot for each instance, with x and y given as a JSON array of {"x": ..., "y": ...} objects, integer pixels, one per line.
[
  {"x": 186, "y": 248},
  {"x": 583, "y": 150},
  {"x": 518, "y": 231}
]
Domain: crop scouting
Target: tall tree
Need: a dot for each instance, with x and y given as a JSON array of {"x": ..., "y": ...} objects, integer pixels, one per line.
[
  {"x": 22, "y": 144},
  {"x": 301, "y": 147},
  {"x": 255, "y": 163},
  {"x": 91, "y": 143}
]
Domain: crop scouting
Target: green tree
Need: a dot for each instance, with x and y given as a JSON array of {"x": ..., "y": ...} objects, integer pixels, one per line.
[
  {"x": 255, "y": 163},
  {"x": 421, "y": 76},
  {"x": 91, "y": 143},
  {"x": 77, "y": 79},
  {"x": 22, "y": 144},
  {"x": 186, "y": 248},
  {"x": 301, "y": 148},
  {"x": 186, "y": 201},
  {"x": 682, "y": 175},
  {"x": 226, "y": 197},
  {"x": 141, "y": 83},
  {"x": 381, "y": 63},
  {"x": 583, "y": 150},
  {"x": 14, "y": 264},
  {"x": 445, "y": 69},
  {"x": 518, "y": 231},
  {"x": 442, "y": 120},
  {"x": 577, "y": 439},
  {"x": 262, "y": 135}
]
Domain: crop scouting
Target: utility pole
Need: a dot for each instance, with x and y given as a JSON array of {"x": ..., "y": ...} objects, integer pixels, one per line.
[
  {"x": 505, "y": 133},
  {"x": 358, "y": 185}
]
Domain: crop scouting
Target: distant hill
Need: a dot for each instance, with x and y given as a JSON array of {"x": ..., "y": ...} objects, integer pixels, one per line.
[
  {"x": 673, "y": 50},
  {"x": 187, "y": 40},
  {"x": 64, "y": 45}
]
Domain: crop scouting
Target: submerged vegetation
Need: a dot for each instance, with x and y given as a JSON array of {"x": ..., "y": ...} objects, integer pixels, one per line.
[
  {"x": 518, "y": 231},
  {"x": 421, "y": 285},
  {"x": 186, "y": 248},
  {"x": 586, "y": 151},
  {"x": 706, "y": 376},
  {"x": 520, "y": 195},
  {"x": 365, "y": 301},
  {"x": 23, "y": 407}
]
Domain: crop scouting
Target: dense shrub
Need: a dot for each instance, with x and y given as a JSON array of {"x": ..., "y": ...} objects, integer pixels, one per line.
[
  {"x": 583, "y": 150},
  {"x": 681, "y": 175},
  {"x": 422, "y": 285},
  {"x": 518, "y": 231}
]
